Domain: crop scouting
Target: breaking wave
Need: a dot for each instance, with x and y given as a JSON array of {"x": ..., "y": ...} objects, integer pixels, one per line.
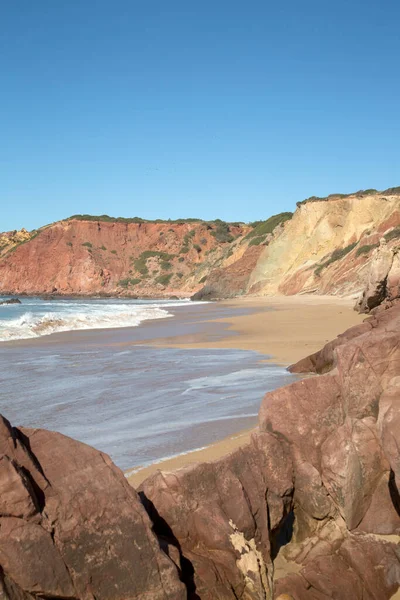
[{"x": 31, "y": 325}]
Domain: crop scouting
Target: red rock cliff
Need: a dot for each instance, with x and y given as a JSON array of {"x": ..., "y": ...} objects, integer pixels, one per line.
[{"x": 91, "y": 257}]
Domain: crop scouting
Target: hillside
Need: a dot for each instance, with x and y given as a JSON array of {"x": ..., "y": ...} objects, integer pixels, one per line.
[
  {"x": 328, "y": 246},
  {"x": 103, "y": 255}
]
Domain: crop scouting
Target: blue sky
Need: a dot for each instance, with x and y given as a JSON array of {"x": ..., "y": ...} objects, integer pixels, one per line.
[{"x": 210, "y": 109}]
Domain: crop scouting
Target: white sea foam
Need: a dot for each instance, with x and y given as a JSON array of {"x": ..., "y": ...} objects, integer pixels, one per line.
[{"x": 82, "y": 316}]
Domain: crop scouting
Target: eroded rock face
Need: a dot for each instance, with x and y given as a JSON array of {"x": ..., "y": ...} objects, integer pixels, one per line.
[
  {"x": 327, "y": 454},
  {"x": 383, "y": 278},
  {"x": 71, "y": 527},
  {"x": 146, "y": 259},
  {"x": 327, "y": 247},
  {"x": 223, "y": 517}
]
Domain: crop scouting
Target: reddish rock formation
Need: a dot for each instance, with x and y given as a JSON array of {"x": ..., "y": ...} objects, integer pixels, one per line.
[
  {"x": 383, "y": 284},
  {"x": 325, "y": 463},
  {"x": 100, "y": 257},
  {"x": 218, "y": 517},
  {"x": 71, "y": 527},
  {"x": 232, "y": 280}
]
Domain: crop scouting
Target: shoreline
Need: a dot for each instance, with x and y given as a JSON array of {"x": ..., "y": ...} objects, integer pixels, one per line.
[
  {"x": 99, "y": 296},
  {"x": 283, "y": 329}
]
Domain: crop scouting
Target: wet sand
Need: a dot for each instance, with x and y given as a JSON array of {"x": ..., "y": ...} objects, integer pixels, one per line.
[
  {"x": 210, "y": 453},
  {"x": 285, "y": 329}
]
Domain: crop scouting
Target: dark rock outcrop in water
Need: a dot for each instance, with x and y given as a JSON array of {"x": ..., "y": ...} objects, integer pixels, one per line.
[
  {"x": 11, "y": 301},
  {"x": 72, "y": 527},
  {"x": 308, "y": 510}
]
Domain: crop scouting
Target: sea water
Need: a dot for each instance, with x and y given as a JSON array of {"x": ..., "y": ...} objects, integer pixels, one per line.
[
  {"x": 114, "y": 391},
  {"x": 35, "y": 317}
]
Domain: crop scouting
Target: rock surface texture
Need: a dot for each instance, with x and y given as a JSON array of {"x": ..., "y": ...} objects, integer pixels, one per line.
[
  {"x": 71, "y": 527},
  {"x": 310, "y": 508}
]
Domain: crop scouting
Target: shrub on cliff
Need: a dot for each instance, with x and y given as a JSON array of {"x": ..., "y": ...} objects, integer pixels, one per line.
[
  {"x": 125, "y": 283},
  {"x": 256, "y": 241},
  {"x": 393, "y": 191},
  {"x": 164, "y": 279},
  {"x": 106, "y": 219},
  {"x": 222, "y": 232},
  {"x": 393, "y": 234},
  {"x": 366, "y": 249},
  {"x": 141, "y": 262},
  {"x": 336, "y": 255},
  {"x": 166, "y": 265},
  {"x": 263, "y": 228}
]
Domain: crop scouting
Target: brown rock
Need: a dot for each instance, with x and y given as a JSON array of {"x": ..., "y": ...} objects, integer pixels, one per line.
[
  {"x": 376, "y": 288},
  {"x": 28, "y": 555},
  {"x": 224, "y": 517},
  {"x": 389, "y": 426},
  {"x": 336, "y": 456},
  {"x": 310, "y": 493},
  {"x": 383, "y": 514},
  {"x": 363, "y": 568},
  {"x": 352, "y": 464},
  {"x": 81, "y": 531},
  {"x": 287, "y": 413},
  {"x": 17, "y": 496}
]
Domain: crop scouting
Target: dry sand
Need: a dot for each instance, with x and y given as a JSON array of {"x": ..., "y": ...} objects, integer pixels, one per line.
[{"x": 284, "y": 328}]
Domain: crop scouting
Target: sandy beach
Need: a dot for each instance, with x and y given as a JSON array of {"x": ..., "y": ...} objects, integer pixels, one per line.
[{"x": 285, "y": 329}]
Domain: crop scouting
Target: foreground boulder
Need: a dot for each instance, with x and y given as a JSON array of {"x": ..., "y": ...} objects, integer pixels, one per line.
[
  {"x": 310, "y": 508},
  {"x": 71, "y": 527}
]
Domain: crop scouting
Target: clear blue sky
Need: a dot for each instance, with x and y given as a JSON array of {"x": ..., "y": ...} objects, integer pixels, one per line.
[{"x": 178, "y": 108}]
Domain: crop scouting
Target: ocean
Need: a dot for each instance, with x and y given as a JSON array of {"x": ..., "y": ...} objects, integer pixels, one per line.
[
  {"x": 36, "y": 317},
  {"x": 86, "y": 368}
]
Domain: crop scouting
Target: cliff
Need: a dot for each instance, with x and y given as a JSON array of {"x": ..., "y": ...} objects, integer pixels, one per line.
[
  {"x": 333, "y": 245},
  {"x": 87, "y": 255},
  {"x": 308, "y": 510},
  {"x": 328, "y": 245}
]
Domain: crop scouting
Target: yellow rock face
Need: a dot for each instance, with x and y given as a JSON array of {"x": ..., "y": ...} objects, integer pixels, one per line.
[
  {"x": 318, "y": 228},
  {"x": 13, "y": 238}
]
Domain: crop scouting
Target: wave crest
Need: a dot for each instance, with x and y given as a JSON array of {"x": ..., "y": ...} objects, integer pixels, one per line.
[{"x": 30, "y": 325}]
